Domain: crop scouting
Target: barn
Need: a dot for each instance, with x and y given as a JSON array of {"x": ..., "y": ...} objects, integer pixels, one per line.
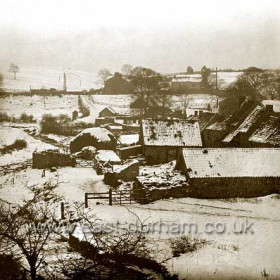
[
  {"x": 117, "y": 85},
  {"x": 231, "y": 172},
  {"x": 163, "y": 139}
]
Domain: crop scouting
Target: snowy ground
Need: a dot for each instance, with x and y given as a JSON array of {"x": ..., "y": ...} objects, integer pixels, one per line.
[
  {"x": 39, "y": 105},
  {"x": 7, "y": 137},
  {"x": 39, "y": 77}
]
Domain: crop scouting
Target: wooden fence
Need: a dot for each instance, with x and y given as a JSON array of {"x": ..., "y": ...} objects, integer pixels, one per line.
[{"x": 113, "y": 197}]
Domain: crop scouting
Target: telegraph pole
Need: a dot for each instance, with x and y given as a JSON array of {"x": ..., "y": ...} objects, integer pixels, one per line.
[{"x": 64, "y": 83}]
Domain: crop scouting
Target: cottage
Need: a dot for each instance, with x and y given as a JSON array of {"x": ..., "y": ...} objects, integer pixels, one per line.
[
  {"x": 117, "y": 85},
  {"x": 231, "y": 172},
  {"x": 163, "y": 139}
]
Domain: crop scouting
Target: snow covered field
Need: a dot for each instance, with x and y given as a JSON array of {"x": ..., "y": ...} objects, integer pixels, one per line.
[
  {"x": 39, "y": 77},
  {"x": 39, "y": 105}
]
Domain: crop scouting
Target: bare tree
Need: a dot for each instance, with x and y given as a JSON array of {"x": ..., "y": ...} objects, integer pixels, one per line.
[
  {"x": 190, "y": 70},
  {"x": 127, "y": 69},
  {"x": 14, "y": 69},
  {"x": 104, "y": 74},
  {"x": 110, "y": 252},
  {"x": 20, "y": 230}
]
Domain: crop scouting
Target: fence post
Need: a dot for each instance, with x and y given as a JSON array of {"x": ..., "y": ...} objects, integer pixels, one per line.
[
  {"x": 110, "y": 197},
  {"x": 130, "y": 197},
  {"x": 86, "y": 200},
  {"x": 120, "y": 198}
]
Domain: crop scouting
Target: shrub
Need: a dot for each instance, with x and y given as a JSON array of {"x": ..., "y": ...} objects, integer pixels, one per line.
[
  {"x": 83, "y": 107},
  {"x": 4, "y": 117},
  {"x": 61, "y": 125},
  {"x": 19, "y": 144},
  {"x": 27, "y": 118},
  {"x": 184, "y": 245}
]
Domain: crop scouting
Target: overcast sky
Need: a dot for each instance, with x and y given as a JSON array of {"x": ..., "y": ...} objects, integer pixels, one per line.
[{"x": 165, "y": 35}]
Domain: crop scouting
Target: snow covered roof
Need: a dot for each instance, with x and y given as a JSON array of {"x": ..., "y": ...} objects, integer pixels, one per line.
[
  {"x": 193, "y": 78},
  {"x": 268, "y": 132},
  {"x": 107, "y": 155},
  {"x": 100, "y": 133},
  {"x": 204, "y": 119},
  {"x": 220, "y": 123},
  {"x": 120, "y": 167},
  {"x": 252, "y": 118},
  {"x": 177, "y": 133},
  {"x": 128, "y": 139},
  {"x": 232, "y": 162},
  {"x": 108, "y": 109}
]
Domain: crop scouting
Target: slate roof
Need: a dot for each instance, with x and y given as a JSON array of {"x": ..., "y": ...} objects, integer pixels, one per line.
[
  {"x": 232, "y": 162},
  {"x": 268, "y": 132},
  {"x": 220, "y": 123},
  {"x": 245, "y": 109},
  {"x": 177, "y": 133},
  {"x": 204, "y": 119},
  {"x": 244, "y": 127}
]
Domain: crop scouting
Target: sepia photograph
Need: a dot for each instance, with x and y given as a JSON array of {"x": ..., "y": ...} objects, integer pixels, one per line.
[{"x": 139, "y": 140}]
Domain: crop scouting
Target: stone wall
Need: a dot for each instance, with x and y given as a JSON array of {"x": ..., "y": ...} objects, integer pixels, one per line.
[
  {"x": 52, "y": 158},
  {"x": 159, "y": 154},
  {"x": 233, "y": 187}
]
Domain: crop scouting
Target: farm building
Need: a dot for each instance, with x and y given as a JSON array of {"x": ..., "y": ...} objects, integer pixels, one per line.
[
  {"x": 267, "y": 135},
  {"x": 105, "y": 159},
  {"x": 98, "y": 137},
  {"x": 126, "y": 172},
  {"x": 162, "y": 139},
  {"x": 117, "y": 85},
  {"x": 186, "y": 82},
  {"x": 231, "y": 172},
  {"x": 107, "y": 112}
]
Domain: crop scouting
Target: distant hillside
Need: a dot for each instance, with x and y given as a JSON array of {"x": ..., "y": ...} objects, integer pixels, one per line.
[{"x": 38, "y": 77}]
